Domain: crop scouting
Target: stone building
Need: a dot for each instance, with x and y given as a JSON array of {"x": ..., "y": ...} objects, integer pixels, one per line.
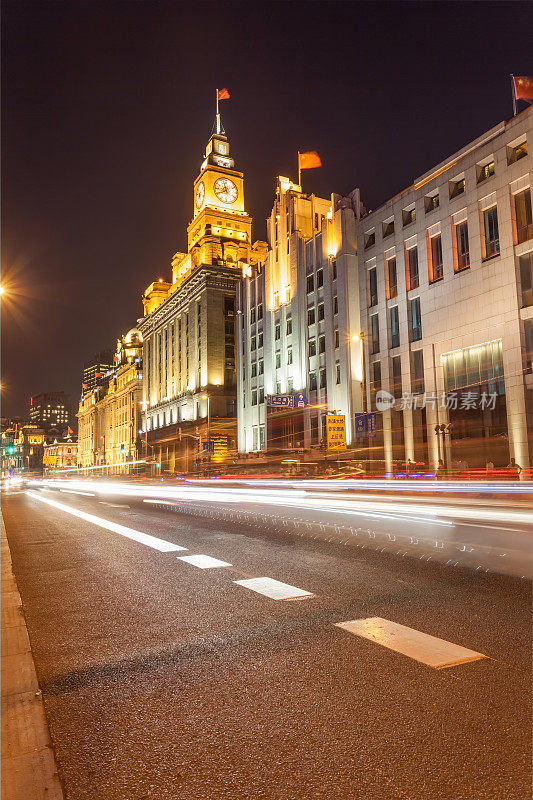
[
  {"x": 189, "y": 322},
  {"x": 446, "y": 298},
  {"x": 61, "y": 455}
]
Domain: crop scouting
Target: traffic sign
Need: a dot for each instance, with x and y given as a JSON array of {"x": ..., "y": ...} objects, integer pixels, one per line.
[
  {"x": 300, "y": 401},
  {"x": 280, "y": 400},
  {"x": 209, "y": 446}
]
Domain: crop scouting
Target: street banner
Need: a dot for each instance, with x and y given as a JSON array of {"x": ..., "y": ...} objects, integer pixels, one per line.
[
  {"x": 335, "y": 432},
  {"x": 360, "y": 425},
  {"x": 371, "y": 423}
]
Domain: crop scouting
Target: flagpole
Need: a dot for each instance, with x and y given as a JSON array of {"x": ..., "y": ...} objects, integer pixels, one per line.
[
  {"x": 218, "y": 113},
  {"x": 513, "y": 89},
  {"x": 299, "y": 172}
]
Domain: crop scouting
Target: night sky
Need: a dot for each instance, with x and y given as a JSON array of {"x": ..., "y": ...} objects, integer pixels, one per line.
[{"x": 107, "y": 108}]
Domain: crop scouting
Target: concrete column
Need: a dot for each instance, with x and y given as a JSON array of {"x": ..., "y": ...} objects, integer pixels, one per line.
[
  {"x": 387, "y": 439},
  {"x": 408, "y": 434}
]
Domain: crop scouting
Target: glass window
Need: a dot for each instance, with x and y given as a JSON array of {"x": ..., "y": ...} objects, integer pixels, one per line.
[
  {"x": 260, "y": 366},
  {"x": 320, "y": 312},
  {"x": 435, "y": 258},
  {"x": 310, "y": 316},
  {"x": 254, "y": 370},
  {"x": 310, "y": 283},
  {"x": 523, "y": 217},
  {"x": 289, "y": 326},
  {"x": 376, "y": 376},
  {"x": 321, "y": 344},
  {"x": 526, "y": 278},
  {"x": 396, "y": 376},
  {"x": 260, "y": 340},
  {"x": 322, "y": 377},
  {"x": 277, "y": 332},
  {"x": 289, "y": 355},
  {"x": 254, "y": 397},
  {"x": 260, "y": 311},
  {"x": 462, "y": 251},
  {"x": 333, "y": 270},
  {"x": 394, "y": 327},
  {"x": 370, "y": 239},
  {"x": 431, "y": 202},
  {"x": 278, "y": 360},
  {"x": 336, "y": 338},
  {"x": 337, "y": 373},
  {"x": 372, "y": 287},
  {"x": 312, "y": 381},
  {"x": 311, "y": 347},
  {"x": 415, "y": 319},
  {"x": 252, "y": 316},
  {"x": 417, "y": 372},
  {"x": 412, "y": 268},
  {"x": 253, "y": 343},
  {"x": 374, "y": 328},
  {"x": 392, "y": 278},
  {"x": 319, "y": 278},
  {"x": 457, "y": 187},
  {"x": 490, "y": 231},
  {"x": 335, "y": 305},
  {"x": 408, "y": 215}
]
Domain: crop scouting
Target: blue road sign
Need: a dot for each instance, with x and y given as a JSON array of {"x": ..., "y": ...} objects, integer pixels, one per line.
[
  {"x": 371, "y": 423},
  {"x": 280, "y": 400},
  {"x": 300, "y": 401},
  {"x": 360, "y": 425}
]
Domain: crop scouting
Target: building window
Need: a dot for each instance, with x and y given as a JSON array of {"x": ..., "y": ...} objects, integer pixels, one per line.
[
  {"x": 522, "y": 216},
  {"x": 337, "y": 373},
  {"x": 374, "y": 329},
  {"x": 311, "y": 348},
  {"x": 376, "y": 376},
  {"x": 278, "y": 360},
  {"x": 461, "y": 246},
  {"x": 277, "y": 332},
  {"x": 392, "y": 278},
  {"x": 396, "y": 373},
  {"x": 436, "y": 269},
  {"x": 253, "y": 343},
  {"x": 333, "y": 270},
  {"x": 412, "y": 268},
  {"x": 252, "y": 316},
  {"x": 260, "y": 367},
  {"x": 528, "y": 349},
  {"x": 408, "y": 215},
  {"x": 388, "y": 228},
  {"x": 260, "y": 311},
  {"x": 431, "y": 202},
  {"x": 322, "y": 344},
  {"x": 516, "y": 152},
  {"x": 289, "y": 355},
  {"x": 394, "y": 327},
  {"x": 372, "y": 287},
  {"x": 415, "y": 319},
  {"x": 261, "y": 395},
  {"x": 526, "y": 278},
  {"x": 319, "y": 278},
  {"x": 320, "y": 312},
  {"x": 457, "y": 187},
  {"x": 254, "y": 370},
  {"x": 485, "y": 171},
  {"x": 322, "y": 375},
  {"x": 336, "y": 338},
  {"x": 260, "y": 339},
  {"x": 370, "y": 239},
  {"x": 335, "y": 305},
  {"x": 417, "y": 372},
  {"x": 491, "y": 239},
  {"x": 312, "y": 381},
  {"x": 310, "y": 316},
  {"x": 254, "y": 397},
  {"x": 310, "y": 283},
  {"x": 289, "y": 326}
]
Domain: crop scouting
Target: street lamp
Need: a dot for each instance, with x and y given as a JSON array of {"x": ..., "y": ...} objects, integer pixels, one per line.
[{"x": 208, "y": 398}]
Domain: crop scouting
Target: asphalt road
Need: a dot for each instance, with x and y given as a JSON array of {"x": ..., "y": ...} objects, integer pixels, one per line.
[{"x": 162, "y": 680}]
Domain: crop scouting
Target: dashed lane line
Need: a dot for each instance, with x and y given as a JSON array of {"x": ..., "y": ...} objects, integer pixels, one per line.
[
  {"x": 122, "y": 530},
  {"x": 429, "y": 650},
  {"x": 276, "y": 590},
  {"x": 203, "y": 562}
]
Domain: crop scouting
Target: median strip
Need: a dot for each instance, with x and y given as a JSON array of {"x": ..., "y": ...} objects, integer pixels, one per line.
[{"x": 122, "y": 530}]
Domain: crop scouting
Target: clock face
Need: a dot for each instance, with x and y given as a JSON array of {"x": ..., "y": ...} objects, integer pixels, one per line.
[
  {"x": 226, "y": 190},
  {"x": 200, "y": 194}
]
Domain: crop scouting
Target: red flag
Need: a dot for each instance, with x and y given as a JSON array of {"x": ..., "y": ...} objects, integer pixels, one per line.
[
  {"x": 523, "y": 87},
  {"x": 223, "y": 94},
  {"x": 309, "y": 160},
  {"x": 70, "y": 431}
]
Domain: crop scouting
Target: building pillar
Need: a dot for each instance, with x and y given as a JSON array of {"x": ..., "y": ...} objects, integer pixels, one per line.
[
  {"x": 408, "y": 434},
  {"x": 387, "y": 439}
]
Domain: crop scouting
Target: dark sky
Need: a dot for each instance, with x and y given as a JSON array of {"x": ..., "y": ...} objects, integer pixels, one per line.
[{"x": 107, "y": 108}]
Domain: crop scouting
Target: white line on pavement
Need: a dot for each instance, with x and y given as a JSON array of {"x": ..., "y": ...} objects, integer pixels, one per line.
[
  {"x": 204, "y": 562},
  {"x": 122, "y": 530},
  {"x": 430, "y": 650},
  {"x": 113, "y": 505},
  {"x": 276, "y": 590},
  {"x": 73, "y": 491}
]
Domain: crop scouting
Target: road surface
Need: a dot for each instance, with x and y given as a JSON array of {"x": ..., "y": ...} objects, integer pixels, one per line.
[{"x": 165, "y": 676}]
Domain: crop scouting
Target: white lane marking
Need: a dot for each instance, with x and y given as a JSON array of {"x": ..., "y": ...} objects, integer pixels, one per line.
[
  {"x": 204, "y": 562},
  {"x": 122, "y": 530},
  {"x": 273, "y": 589},
  {"x": 161, "y": 502},
  {"x": 430, "y": 650},
  {"x": 73, "y": 491},
  {"x": 113, "y": 505}
]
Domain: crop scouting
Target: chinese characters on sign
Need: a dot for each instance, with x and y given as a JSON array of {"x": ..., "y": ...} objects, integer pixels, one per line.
[
  {"x": 465, "y": 401},
  {"x": 286, "y": 400},
  {"x": 365, "y": 424},
  {"x": 335, "y": 432}
]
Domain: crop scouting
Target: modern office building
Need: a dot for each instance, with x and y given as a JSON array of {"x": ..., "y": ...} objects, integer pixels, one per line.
[
  {"x": 299, "y": 323},
  {"x": 446, "y": 297},
  {"x": 51, "y": 411},
  {"x": 109, "y": 416},
  {"x": 96, "y": 369},
  {"x": 188, "y": 325}
]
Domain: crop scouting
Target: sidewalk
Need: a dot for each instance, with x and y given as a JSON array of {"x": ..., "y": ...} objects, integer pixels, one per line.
[{"x": 28, "y": 765}]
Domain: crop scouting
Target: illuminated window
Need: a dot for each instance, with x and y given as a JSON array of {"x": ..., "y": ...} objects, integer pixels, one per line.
[
  {"x": 491, "y": 237},
  {"x": 412, "y": 275},
  {"x": 523, "y": 227},
  {"x": 431, "y": 202},
  {"x": 372, "y": 287},
  {"x": 392, "y": 278},
  {"x": 457, "y": 187},
  {"x": 526, "y": 278},
  {"x": 394, "y": 323},
  {"x": 436, "y": 269},
  {"x": 408, "y": 215},
  {"x": 485, "y": 171},
  {"x": 461, "y": 246}
]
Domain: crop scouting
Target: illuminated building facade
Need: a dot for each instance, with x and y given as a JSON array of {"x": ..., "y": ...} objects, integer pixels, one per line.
[
  {"x": 109, "y": 416},
  {"x": 60, "y": 455},
  {"x": 51, "y": 411},
  {"x": 446, "y": 296},
  {"x": 297, "y": 317},
  {"x": 189, "y": 322},
  {"x": 21, "y": 450}
]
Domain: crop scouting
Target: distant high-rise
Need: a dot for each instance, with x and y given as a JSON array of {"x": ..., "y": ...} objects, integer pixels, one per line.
[
  {"x": 95, "y": 370},
  {"x": 50, "y": 410}
]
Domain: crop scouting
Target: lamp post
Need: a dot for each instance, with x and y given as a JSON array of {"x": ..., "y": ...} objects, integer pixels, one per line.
[{"x": 208, "y": 398}]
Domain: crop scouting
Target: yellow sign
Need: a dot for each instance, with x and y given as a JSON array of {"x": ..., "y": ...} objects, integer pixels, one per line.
[
  {"x": 50, "y": 460},
  {"x": 335, "y": 431}
]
